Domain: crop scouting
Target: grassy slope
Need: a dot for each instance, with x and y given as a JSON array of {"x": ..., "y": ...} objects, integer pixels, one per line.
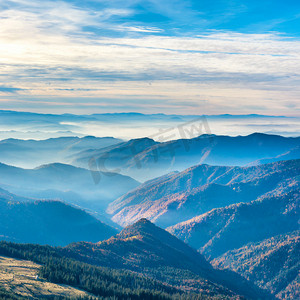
[{"x": 19, "y": 277}]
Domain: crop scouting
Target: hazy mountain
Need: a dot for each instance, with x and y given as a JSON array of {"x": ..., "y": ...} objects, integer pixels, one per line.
[
  {"x": 26, "y": 125},
  {"x": 177, "y": 197},
  {"x": 291, "y": 154},
  {"x": 144, "y": 159},
  {"x": 5, "y": 195},
  {"x": 231, "y": 227},
  {"x": 32, "y": 153},
  {"x": 48, "y": 222},
  {"x": 68, "y": 183},
  {"x": 122, "y": 158},
  {"x": 272, "y": 264}
]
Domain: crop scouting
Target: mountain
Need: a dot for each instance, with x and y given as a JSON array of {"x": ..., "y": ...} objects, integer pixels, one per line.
[
  {"x": 150, "y": 250},
  {"x": 122, "y": 157},
  {"x": 32, "y": 153},
  {"x": 71, "y": 184},
  {"x": 27, "y": 125},
  {"x": 145, "y": 159},
  {"x": 291, "y": 154},
  {"x": 177, "y": 197},
  {"x": 59, "y": 275},
  {"x": 231, "y": 227},
  {"x": 272, "y": 264},
  {"x": 5, "y": 195},
  {"x": 142, "y": 238},
  {"x": 48, "y": 222}
]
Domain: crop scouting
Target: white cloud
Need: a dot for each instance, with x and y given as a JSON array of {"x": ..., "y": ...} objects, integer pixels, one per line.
[
  {"x": 46, "y": 53},
  {"x": 138, "y": 28}
]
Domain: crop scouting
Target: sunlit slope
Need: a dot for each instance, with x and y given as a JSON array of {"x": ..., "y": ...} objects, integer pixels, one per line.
[{"x": 21, "y": 278}]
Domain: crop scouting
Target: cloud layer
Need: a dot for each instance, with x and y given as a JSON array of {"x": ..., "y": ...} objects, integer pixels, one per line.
[{"x": 70, "y": 58}]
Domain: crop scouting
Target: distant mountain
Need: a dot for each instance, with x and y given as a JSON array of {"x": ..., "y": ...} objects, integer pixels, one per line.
[
  {"x": 272, "y": 264},
  {"x": 122, "y": 157},
  {"x": 232, "y": 227},
  {"x": 5, "y": 195},
  {"x": 32, "y": 153},
  {"x": 48, "y": 222},
  {"x": 177, "y": 197},
  {"x": 40, "y": 126},
  {"x": 145, "y": 159},
  {"x": 148, "y": 249},
  {"x": 71, "y": 184},
  {"x": 291, "y": 154}
]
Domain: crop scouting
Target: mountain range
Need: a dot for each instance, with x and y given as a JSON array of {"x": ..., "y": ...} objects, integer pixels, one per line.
[
  {"x": 177, "y": 197},
  {"x": 227, "y": 210},
  {"x": 230, "y": 227},
  {"x": 145, "y": 159},
  {"x": 33, "y": 153},
  {"x": 28, "y": 125}
]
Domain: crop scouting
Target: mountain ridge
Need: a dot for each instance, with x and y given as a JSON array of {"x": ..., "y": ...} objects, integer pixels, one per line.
[
  {"x": 178, "y": 197},
  {"x": 230, "y": 227},
  {"x": 149, "y": 160},
  {"x": 66, "y": 182}
]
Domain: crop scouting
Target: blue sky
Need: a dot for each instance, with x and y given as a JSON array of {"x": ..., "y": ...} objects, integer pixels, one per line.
[{"x": 184, "y": 57}]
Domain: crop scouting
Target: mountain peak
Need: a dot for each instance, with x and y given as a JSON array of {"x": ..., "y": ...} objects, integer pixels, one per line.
[
  {"x": 142, "y": 227},
  {"x": 143, "y": 221},
  {"x": 151, "y": 235},
  {"x": 56, "y": 166}
]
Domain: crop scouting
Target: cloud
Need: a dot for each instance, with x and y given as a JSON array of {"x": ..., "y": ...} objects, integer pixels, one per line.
[
  {"x": 138, "y": 29},
  {"x": 57, "y": 52},
  {"x": 6, "y": 89}
]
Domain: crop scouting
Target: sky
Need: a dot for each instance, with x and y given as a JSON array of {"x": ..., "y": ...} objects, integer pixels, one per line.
[{"x": 151, "y": 56}]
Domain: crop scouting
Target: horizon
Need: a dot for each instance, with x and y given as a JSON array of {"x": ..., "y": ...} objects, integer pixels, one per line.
[
  {"x": 139, "y": 113},
  {"x": 126, "y": 126}
]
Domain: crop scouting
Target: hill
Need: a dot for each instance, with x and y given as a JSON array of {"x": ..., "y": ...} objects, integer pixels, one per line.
[
  {"x": 272, "y": 264},
  {"x": 291, "y": 154},
  {"x": 18, "y": 280},
  {"x": 177, "y": 197},
  {"x": 231, "y": 227},
  {"x": 89, "y": 189},
  {"x": 104, "y": 283},
  {"x": 48, "y": 222},
  {"x": 150, "y": 250}
]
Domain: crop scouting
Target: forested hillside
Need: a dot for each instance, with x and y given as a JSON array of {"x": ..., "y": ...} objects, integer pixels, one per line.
[{"x": 273, "y": 264}]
